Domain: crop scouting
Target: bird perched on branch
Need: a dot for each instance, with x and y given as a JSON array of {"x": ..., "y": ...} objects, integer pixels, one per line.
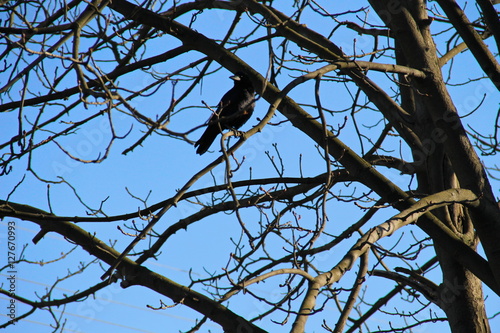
[{"x": 233, "y": 110}]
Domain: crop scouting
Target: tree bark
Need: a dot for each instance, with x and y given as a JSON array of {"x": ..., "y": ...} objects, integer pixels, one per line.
[{"x": 460, "y": 293}]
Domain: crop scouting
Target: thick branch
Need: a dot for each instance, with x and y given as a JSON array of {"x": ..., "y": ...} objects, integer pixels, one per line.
[
  {"x": 492, "y": 19},
  {"x": 134, "y": 274},
  {"x": 475, "y": 43},
  {"x": 385, "y": 229},
  {"x": 357, "y": 166},
  {"x": 419, "y": 48}
]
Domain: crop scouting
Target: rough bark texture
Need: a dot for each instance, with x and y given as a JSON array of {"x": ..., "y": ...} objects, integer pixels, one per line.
[{"x": 461, "y": 295}]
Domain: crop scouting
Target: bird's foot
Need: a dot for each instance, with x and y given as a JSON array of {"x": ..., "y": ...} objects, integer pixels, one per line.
[{"x": 237, "y": 133}]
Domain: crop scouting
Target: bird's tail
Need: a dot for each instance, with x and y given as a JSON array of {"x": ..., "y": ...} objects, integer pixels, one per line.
[{"x": 206, "y": 139}]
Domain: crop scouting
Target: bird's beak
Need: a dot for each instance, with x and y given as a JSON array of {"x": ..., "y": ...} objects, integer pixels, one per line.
[{"x": 235, "y": 78}]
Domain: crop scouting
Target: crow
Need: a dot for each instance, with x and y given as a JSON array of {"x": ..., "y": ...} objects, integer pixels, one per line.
[{"x": 233, "y": 110}]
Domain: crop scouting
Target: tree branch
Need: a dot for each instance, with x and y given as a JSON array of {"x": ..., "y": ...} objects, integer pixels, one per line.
[
  {"x": 385, "y": 229},
  {"x": 492, "y": 20},
  {"x": 474, "y": 42},
  {"x": 134, "y": 274},
  {"x": 353, "y": 295}
]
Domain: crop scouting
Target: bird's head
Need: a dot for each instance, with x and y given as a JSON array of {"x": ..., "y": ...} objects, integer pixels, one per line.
[{"x": 241, "y": 78}]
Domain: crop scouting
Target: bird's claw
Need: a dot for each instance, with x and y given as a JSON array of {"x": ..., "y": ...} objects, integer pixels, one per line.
[{"x": 237, "y": 133}]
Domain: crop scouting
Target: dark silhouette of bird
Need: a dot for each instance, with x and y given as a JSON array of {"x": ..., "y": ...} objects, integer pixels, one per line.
[{"x": 233, "y": 110}]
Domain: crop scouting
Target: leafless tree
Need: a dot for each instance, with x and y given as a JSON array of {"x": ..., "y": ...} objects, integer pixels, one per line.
[{"x": 375, "y": 89}]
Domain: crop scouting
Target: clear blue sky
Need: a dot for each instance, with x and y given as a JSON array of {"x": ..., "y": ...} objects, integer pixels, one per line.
[{"x": 159, "y": 167}]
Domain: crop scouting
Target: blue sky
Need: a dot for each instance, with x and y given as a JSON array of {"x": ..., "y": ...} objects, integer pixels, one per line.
[{"x": 162, "y": 165}]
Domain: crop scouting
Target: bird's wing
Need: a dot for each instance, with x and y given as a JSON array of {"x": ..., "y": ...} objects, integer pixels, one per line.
[{"x": 226, "y": 102}]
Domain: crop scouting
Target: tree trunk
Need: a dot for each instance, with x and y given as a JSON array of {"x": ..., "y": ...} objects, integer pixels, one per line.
[{"x": 460, "y": 295}]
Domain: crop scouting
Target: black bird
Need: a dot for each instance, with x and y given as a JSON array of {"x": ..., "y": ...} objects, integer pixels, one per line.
[{"x": 233, "y": 110}]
